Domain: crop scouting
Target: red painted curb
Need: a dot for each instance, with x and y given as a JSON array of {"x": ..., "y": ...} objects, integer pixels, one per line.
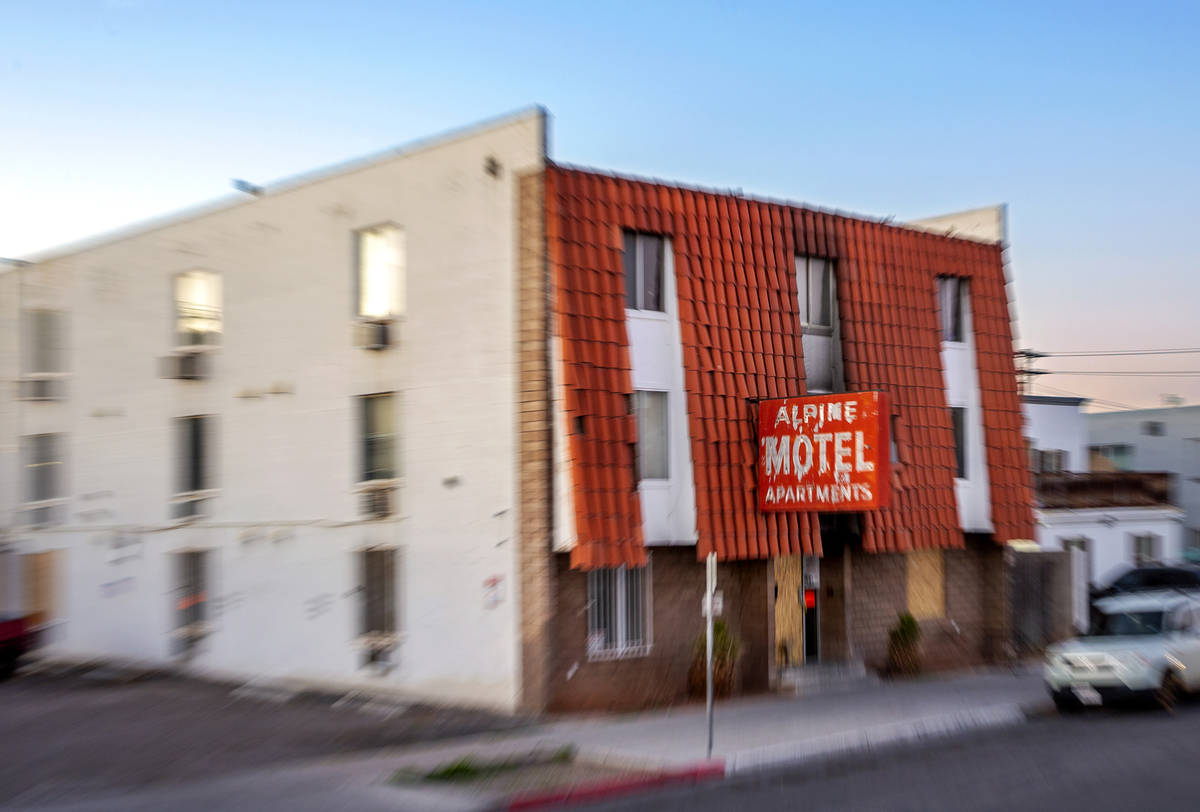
[{"x": 599, "y": 790}]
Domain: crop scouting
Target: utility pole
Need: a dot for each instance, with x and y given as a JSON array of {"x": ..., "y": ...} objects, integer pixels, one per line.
[
  {"x": 710, "y": 590},
  {"x": 1025, "y": 372}
]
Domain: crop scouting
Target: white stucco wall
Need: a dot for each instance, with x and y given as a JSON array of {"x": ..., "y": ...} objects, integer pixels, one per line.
[
  {"x": 1177, "y": 451},
  {"x": 1109, "y": 533},
  {"x": 286, "y": 523},
  {"x": 1058, "y": 424},
  {"x": 961, "y": 376},
  {"x": 656, "y": 355},
  {"x": 985, "y": 224}
]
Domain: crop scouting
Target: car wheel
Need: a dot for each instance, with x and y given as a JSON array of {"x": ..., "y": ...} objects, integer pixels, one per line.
[
  {"x": 8, "y": 666},
  {"x": 1168, "y": 693}
]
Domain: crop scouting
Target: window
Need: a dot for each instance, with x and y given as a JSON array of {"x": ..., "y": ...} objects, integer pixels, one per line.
[
  {"x": 197, "y": 309},
  {"x": 1154, "y": 428},
  {"x": 814, "y": 284},
  {"x": 652, "y": 442},
  {"x": 951, "y": 292},
  {"x": 193, "y": 473},
  {"x": 43, "y": 342},
  {"x": 44, "y": 478},
  {"x": 1050, "y": 461},
  {"x": 377, "y": 623},
  {"x": 958, "y": 421},
  {"x": 191, "y": 597},
  {"x": 1145, "y": 549},
  {"x": 643, "y": 260},
  {"x": 1111, "y": 457},
  {"x": 378, "y": 424},
  {"x": 618, "y": 613},
  {"x": 380, "y": 277}
]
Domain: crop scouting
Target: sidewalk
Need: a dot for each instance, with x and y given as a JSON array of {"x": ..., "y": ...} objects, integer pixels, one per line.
[{"x": 750, "y": 734}]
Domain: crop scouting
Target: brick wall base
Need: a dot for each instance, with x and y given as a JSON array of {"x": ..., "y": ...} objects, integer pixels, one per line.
[{"x": 660, "y": 678}]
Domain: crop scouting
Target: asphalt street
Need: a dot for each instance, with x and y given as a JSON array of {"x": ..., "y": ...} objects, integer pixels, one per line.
[{"x": 1102, "y": 760}]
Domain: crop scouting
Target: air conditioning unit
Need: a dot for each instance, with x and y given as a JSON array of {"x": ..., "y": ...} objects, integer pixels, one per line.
[
  {"x": 185, "y": 366},
  {"x": 374, "y": 335},
  {"x": 377, "y": 503},
  {"x": 41, "y": 389}
]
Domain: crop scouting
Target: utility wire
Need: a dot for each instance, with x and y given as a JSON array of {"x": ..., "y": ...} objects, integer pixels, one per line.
[
  {"x": 1164, "y": 373},
  {"x": 1110, "y": 353}
]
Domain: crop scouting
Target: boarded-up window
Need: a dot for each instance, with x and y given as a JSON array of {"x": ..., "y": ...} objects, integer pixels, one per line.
[
  {"x": 40, "y": 586},
  {"x": 926, "y": 584}
]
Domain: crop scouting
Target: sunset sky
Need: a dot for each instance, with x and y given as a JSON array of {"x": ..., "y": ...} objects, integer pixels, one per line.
[{"x": 1083, "y": 119}]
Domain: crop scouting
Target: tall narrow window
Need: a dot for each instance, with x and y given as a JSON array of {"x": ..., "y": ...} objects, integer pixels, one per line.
[
  {"x": 652, "y": 457},
  {"x": 951, "y": 291},
  {"x": 197, "y": 309},
  {"x": 378, "y": 427},
  {"x": 43, "y": 355},
  {"x": 191, "y": 589},
  {"x": 44, "y": 478},
  {"x": 381, "y": 272},
  {"x": 619, "y": 615},
  {"x": 814, "y": 284},
  {"x": 193, "y": 473},
  {"x": 958, "y": 421},
  {"x": 643, "y": 261},
  {"x": 378, "y": 616},
  {"x": 43, "y": 334}
]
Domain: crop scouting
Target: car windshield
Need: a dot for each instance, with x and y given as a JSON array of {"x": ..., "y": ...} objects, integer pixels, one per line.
[{"x": 1128, "y": 623}]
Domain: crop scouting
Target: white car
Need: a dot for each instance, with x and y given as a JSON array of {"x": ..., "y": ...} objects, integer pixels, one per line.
[{"x": 1142, "y": 646}]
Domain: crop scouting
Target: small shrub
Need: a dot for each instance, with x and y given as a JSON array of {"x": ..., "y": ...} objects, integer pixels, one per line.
[
  {"x": 726, "y": 649},
  {"x": 904, "y": 645}
]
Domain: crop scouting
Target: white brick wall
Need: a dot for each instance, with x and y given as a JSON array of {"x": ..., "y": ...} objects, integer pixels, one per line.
[{"x": 286, "y": 463}]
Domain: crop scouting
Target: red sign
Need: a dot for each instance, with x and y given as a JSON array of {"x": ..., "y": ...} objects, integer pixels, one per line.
[{"x": 824, "y": 453}]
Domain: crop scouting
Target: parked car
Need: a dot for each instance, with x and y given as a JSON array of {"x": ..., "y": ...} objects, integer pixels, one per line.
[
  {"x": 16, "y": 638},
  {"x": 1142, "y": 646},
  {"x": 1151, "y": 577}
]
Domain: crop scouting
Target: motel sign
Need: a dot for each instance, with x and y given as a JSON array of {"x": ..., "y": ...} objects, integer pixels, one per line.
[{"x": 823, "y": 453}]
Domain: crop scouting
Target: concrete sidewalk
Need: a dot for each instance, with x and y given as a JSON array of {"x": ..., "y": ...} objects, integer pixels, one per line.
[{"x": 750, "y": 734}]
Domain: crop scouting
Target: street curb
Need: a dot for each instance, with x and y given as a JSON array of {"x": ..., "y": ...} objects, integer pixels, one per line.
[
  {"x": 591, "y": 792},
  {"x": 829, "y": 749}
]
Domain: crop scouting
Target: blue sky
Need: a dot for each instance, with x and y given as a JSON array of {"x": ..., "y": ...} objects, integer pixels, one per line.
[{"x": 1082, "y": 117}]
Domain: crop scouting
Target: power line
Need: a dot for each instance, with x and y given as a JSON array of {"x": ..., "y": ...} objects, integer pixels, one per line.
[
  {"x": 1166, "y": 373},
  {"x": 1111, "y": 353},
  {"x": 1099, "y": 401}
]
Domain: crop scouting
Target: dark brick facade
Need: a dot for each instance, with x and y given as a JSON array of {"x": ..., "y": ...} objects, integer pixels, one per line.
[{"x": 659, "y": 678}]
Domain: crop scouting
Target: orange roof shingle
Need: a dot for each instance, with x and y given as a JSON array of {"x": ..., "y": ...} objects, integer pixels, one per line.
[{"x": 740, "y": 329}]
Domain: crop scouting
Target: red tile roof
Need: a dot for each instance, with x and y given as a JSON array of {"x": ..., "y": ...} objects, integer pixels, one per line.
[{"x": 736, "y": 287}]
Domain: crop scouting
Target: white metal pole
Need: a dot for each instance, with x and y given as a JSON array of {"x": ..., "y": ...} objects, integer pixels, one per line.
[{"x": 709, "y": 593}]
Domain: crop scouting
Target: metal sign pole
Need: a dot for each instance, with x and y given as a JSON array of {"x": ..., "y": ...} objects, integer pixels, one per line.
[{"x": 709, "y": 592}]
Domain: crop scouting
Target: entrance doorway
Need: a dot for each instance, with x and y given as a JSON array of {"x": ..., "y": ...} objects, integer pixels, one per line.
[{"x": 797, "y": 610}]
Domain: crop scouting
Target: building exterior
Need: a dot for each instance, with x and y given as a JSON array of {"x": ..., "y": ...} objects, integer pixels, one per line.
[
  {"x": 1166, "y": 439},
  {"x": 1108, "y": 520},
  {"x": 463, "y": 422}
]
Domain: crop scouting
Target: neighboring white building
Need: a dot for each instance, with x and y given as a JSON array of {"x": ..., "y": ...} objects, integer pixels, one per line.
[
  {"x": 1109, "y": 520},
  {"x": 208, "y": 457},
  {"x": 1166, "y": 439}
]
